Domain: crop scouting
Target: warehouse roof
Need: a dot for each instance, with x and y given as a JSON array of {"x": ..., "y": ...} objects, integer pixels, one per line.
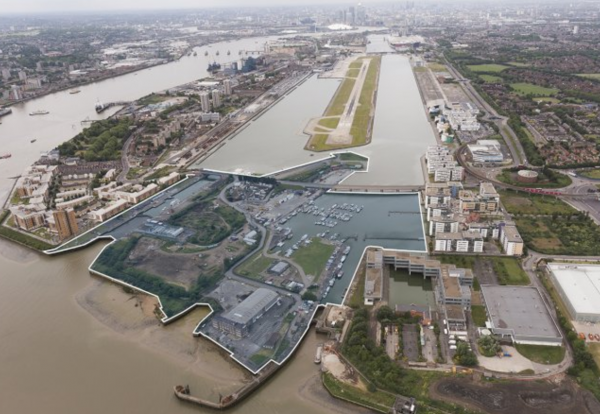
[
  {"x": 252, "y": 306},
  {"x": 520, "y": 309},
  {"x": 581, "y": 284}
]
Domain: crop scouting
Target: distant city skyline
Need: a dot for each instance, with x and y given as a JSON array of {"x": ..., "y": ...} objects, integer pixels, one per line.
[{"x": 28, "y": 6}]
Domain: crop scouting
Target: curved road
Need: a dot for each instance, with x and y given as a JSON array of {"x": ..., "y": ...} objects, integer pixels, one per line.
[
  {"x": 490, "y": 114},
  {"x": 262, "y": 244}
]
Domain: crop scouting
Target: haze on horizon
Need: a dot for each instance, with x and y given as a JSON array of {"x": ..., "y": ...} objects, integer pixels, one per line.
[
  {"x": 57, "y": 6},
  {"x": 36, "y": 6}
]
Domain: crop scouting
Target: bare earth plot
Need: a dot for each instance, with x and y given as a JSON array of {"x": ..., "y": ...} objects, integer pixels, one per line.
[{"x": 516, "y": 398}]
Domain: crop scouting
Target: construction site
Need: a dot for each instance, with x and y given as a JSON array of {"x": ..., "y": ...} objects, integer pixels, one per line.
[{"x": 548, "y": 397}]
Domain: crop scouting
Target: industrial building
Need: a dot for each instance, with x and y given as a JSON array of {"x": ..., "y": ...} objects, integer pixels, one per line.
[
  {"x": 279, "y": 268},
  {"x": 579, "y": 288},
  {"x": 486, "y": 151},
  {"x": 521, "y": 314},
  {"x": 239, "y": 320}
]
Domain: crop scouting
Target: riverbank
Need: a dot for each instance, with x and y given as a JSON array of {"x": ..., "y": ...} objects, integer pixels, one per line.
[
  {"x": 131, "y": 315},
  {"x": 91, "y": 81}
]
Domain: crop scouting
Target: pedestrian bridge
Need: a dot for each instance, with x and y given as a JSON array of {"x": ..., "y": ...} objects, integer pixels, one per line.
[{"x": 376, "y": 189}]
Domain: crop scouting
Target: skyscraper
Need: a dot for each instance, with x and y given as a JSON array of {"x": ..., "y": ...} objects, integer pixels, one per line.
[
  {"x": 216, "y": 98},
  {"x": 351, "y": 15},
  {"x": 205, "y": 101},
  {"x": 361, "y": 14},
  {"x": 227, "y": 87}
]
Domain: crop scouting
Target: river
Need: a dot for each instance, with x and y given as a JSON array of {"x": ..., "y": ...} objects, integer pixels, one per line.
[
  {"x": 56, "y": 358},
  {"x": 68, "y": 111}
]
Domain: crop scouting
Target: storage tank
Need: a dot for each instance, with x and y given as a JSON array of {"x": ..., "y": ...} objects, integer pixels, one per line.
[{"x": 527, "y": 176}]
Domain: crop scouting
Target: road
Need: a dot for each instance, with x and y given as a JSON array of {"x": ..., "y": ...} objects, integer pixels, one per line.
[
  {"x": 530, "y": 265},
  {"x": 122, "y": 177},
  {"x": 262, "y": 245},
  {"x": 490, "y": 114},
  {"x": 589, "y": 201}
]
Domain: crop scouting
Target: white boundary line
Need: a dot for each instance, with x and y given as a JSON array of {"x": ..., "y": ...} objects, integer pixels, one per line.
[{"x": 167, "y": 319}]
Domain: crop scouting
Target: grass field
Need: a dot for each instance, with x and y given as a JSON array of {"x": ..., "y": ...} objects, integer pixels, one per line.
[
  {"x": 478, "y": 315},
  {"x": 590, "y": 75},
  {"x": 437, "y": 67},
  {"x": 492, "y": 67},
  {"x": 531, "y": 89},
  {"x": 352, "y": 73},
  {"x": 594, "y": 348},
  {"x": 355, "y": 65},
  {"x": 378, "y": 400},
  {"x": 591, "y": 174},
  {"x": 576, "y": 236},
  {"x": 521, "y": 203},
  {"x": 313, "y": 258},
  {"x": 518, "y": 64},
  {"x": 507, "y": 269},
  {"x": 336, "y": 108},
  {"x": 350, "y": 156},
  {"x": 538, "y": 236},
  {"x": 254, "y": 266},
  {"x": 547, "y": 355},
  {"x": 362, "y": 116},
  {"x": 329, "y": 122},
  {"x": 545, "y": 99},
  {"x": 491, "y": 78}
]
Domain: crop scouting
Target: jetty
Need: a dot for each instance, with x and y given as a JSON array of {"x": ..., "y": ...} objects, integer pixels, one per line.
[
  {"x": 183, "y": 392},
  {"x": 101, "y": 107}
]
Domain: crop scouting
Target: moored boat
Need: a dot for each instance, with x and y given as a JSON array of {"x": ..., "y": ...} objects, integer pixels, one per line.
[
  {"x": 39, "y": 112},
  {"x": 319, "y": 354}
]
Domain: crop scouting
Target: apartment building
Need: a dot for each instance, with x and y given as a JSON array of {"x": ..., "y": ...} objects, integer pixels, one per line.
[{"x": 511, "y": 240}]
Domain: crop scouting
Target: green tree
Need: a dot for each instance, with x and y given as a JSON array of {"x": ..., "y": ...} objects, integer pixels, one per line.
[{"x": 464, "y": 356}]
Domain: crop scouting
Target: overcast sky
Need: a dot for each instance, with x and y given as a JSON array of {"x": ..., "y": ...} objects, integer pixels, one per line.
[{"x": 12, "y": 6}]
